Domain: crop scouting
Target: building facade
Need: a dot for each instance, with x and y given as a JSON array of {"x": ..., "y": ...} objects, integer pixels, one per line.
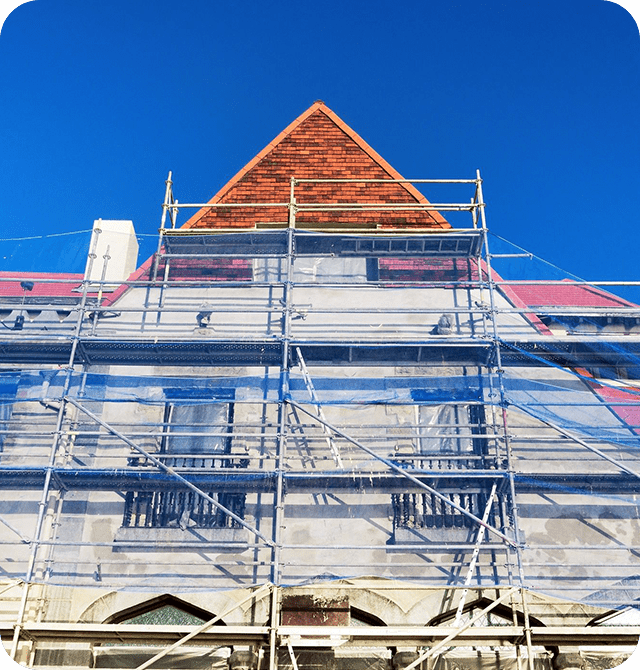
[{"x": 317, "y": 428}]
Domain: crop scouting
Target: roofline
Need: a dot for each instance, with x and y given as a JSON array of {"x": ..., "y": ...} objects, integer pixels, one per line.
[
  {"x": 508, "y": 292},
  {"x": 588, "y": 288},
  {"x": 110, "y": 298},
  {"x": 9, "y": 274},
  {"x": 332, "y": 116}
]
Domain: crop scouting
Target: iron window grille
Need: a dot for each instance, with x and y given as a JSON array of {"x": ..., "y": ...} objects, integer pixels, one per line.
[
  {"x": 195, "y": 437},
  {"x": 449, "y": 437}
]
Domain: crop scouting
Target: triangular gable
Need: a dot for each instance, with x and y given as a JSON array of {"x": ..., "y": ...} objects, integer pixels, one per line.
[{"x": 317, "y": 145}]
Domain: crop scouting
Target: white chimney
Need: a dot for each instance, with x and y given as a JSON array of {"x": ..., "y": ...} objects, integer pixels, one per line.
[{"x": 117, "y": 240}]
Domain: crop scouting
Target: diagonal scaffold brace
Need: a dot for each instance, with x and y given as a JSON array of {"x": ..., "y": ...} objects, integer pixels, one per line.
[
  {"x": 407, "y": 475},
  {"x": 170, "y": 471}
]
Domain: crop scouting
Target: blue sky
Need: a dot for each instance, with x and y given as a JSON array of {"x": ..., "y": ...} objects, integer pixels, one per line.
[{"x": 100, "y": 100}]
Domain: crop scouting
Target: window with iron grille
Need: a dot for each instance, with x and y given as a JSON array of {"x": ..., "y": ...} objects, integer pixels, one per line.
[
  {"x": 427, "y": 511},
  {"x": 195, "y": 437},
  {"x": 449, "y": 437}
]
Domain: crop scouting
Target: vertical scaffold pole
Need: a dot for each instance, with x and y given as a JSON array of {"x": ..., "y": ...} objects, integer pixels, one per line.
[
  {"x": 166, "y": 205},
  {"x": 53, "y": 452},
  {"x": 168, "y": 208},
  {"x": 503, "y": 404},
  {"x": 103, "y": 279},
  {"x": 283, "y": 429}
]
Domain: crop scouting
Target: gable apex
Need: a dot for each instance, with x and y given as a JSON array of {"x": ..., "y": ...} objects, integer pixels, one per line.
[{"x": 318, "y": 144}]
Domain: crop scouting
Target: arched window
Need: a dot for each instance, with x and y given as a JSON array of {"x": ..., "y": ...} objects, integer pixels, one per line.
[
  {"x": 164, "y": 610},
  {"x": 501, "y": 615}
]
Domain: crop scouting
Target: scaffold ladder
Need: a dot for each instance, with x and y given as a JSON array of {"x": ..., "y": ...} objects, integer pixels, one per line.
[{"x": 314, "y": 397}]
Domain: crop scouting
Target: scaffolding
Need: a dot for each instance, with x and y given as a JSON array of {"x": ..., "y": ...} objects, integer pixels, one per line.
[{"x": 300, "y": 402}]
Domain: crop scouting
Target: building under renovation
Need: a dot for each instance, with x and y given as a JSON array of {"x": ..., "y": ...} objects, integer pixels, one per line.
[{"x": 330, "y": 424}]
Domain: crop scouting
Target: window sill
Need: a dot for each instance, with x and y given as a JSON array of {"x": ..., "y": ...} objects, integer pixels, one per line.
[{"x": 176, "y": 539}]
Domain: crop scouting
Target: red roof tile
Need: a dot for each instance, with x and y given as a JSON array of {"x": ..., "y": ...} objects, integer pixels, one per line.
[
  {"x": 569, "y": 294},
  {"x": 45, "y": 284},
  {"x": 622, "y": 402}
]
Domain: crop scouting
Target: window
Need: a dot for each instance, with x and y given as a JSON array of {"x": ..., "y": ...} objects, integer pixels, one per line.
[
  {"x": 163, "y": 610},
  {"x": 223, "y": 269},
  {"x": 426, "y": 269},
  {"x": 195, "y": 436},
  {"x": 424, "y": 511},
  {"x": 449, "y": 437},
  {"x": 6, "y": 409},
  {"x": 361, "y": 618},
  {"x": 135, "y": 648},
  {"x": 316, "y": 270}
]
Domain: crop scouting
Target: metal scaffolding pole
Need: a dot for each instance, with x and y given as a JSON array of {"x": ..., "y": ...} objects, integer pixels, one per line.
[
  {"x": 170, "y": 471},
  {"x": 474, "y": 557},
  {"x": 580, "y": 441},
  {"x": 283, "y": 431},
  {"x": 434, "y": 650},
  {"x": 53, "y": 452},
  {"x": 262, "y": 591},
  {"x": 282, "y": 358},
  {"x": 503, "y": 403},
  {"x": 406, "y": 474},
  {"x": 333, "y": 449}
]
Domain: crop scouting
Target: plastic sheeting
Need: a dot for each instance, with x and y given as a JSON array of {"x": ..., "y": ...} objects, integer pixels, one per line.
[
  {"x": 65, "y": 252},
  {"x": 417, "y": 414},
  {"x": 567, "y": 401}
]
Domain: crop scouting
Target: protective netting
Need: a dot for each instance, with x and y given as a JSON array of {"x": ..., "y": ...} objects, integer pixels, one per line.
[
  {"x": 380, "y": 469},
  {"x": 63, "y": 252},
  {"x": 572, "y": 401},
  {"x": 513, "y": 262},
  {"x": 58, "y": 252}
]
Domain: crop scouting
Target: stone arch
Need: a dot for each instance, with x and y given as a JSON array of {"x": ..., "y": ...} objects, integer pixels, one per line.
[
  {"x": 98, "y": 610},
  {"x": 164, "y": 601},
  {"x": 502, "y": 611},
  {"x": 366, "y": 601},
  {"x": 108, "y": 605},
  {"x": 365, "y": 617}
]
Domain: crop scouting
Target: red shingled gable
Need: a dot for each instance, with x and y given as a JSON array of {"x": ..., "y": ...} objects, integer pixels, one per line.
[
  {"x": 569, "y": 294},
  {"x": 317, "y": 145}
]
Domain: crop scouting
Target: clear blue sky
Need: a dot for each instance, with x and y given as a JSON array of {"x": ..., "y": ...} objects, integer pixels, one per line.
[{"x": 101, "y": 99}]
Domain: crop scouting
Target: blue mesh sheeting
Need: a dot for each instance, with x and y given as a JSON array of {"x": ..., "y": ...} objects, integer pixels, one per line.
[
  {"x": 49, "y": 384},
  {"x": 64, "y": 252},
  {"x": 566, "y": 401},
  {"x": 574, "y": 407}
]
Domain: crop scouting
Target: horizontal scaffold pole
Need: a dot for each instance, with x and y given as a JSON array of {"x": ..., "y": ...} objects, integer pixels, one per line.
[
  {"x": 262, "y": 591},
  {"x": 579, "y": 441},
  {"x": 374, "y": 636},
  {"x": 170, "y": 471},
  {"x": 434, "y": 650},
  {"x": 407, "y": 475}
]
